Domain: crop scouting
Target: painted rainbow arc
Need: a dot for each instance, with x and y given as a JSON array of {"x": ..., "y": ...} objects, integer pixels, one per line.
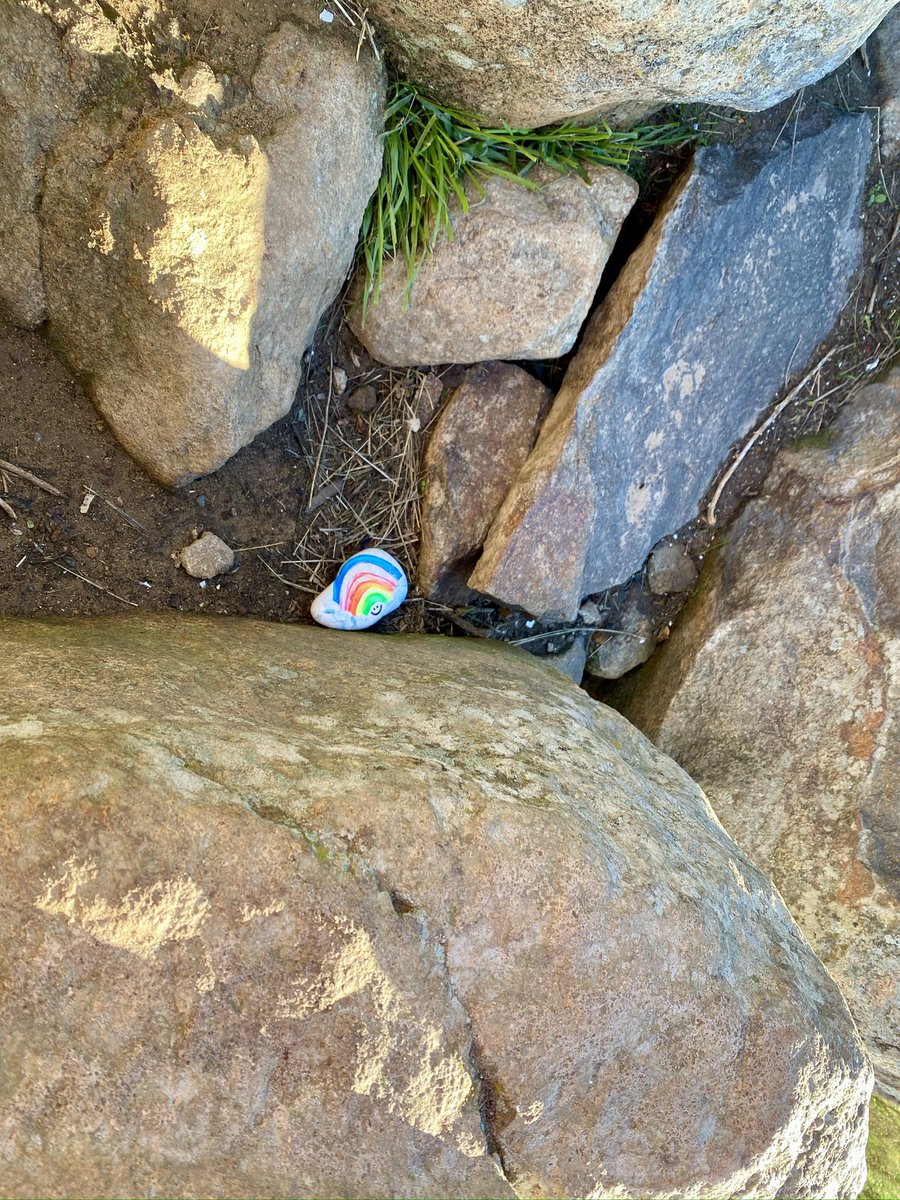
[{"x": 365, "y": 581}]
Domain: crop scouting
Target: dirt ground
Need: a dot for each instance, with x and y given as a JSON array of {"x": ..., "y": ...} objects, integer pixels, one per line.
[{"x": 337, "y": 474}]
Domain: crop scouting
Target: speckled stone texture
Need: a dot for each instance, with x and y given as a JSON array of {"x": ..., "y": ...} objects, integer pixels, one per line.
[
  {"x": 515, "y": 281},
  {"x": 886, "y": 52},
  {"x": 779, "y": 690},
  {"x": 479, "y": 444},
  {"x": 181, "y": 228},
  {"x": 531, "y": 62},
  {"x": 294, "y": 913},
  {"x": 742, "y": 274}
]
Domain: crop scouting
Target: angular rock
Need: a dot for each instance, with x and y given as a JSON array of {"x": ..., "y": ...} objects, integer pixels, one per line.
[
  {"x": 671, "y": 371},
  {"x": 207, "y": 557},
  {"x": 670, "y": 568},
  {"x": 289, "y": 912},
  {"x": 533, "y": 63},
  {"x": 612, "y": 655},
  {"x": 886, "y": 51},
  {"x": 479, "y": 444},
  {"x": 571, "y": 660},
  {"x": 193, "y": 231},
  {"x": 516, "y": 280},
  {"x": 779, "y": 690}
]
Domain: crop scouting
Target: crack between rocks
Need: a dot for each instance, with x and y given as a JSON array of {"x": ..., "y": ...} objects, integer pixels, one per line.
[{"x": 486, "y": 1092}]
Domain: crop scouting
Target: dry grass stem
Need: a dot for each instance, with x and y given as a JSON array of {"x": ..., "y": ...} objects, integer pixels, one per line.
[
  {"x": 126, "y": 517},
  {"x": 365, "y": 485},
  {"x": 760, "y": 430},
  {"x": 93, "y": 583}
]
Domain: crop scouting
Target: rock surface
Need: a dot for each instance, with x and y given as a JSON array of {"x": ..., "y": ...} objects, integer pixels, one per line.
[
  {"x": 670, "y": 568},
  {"x": 886, "y": 49},
  {"x": 515, "y": 281},
  {"x": 779, "y": 690},
  {"x": 479, "y": 444},
  {"x": 296, "y": 913},
  {"x": 39, "y": 92},
  {"x": 207, "y": 557},
  {"x": 571, "y": 660},
  {"x": 670, "y": 372},
  {"x": 614, "y": 654},
  {"x": 192, "y": 228},
  {"x": 533, "y": 63}
]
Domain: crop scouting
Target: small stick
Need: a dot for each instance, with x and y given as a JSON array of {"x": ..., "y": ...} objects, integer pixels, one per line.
[
  {"x": 14, "y": 470},
  {"x": 758, "y": 432},
  {"x": 10, "y": 512},
  {"x": 93, "y": 583}
]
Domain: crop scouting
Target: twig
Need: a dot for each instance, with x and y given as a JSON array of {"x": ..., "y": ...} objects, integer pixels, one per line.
[
  {"x": 265, "y": 546},
  {"x": 10, "y": 512},
  {"x": 92, "y": 582},
  {"x": 758, "y": 432},
  {"x": 14, "y": 470}
]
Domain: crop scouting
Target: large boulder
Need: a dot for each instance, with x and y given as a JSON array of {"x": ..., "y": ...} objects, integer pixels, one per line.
[
  {"x": 294, "y": 913},
  {"x": 779, "y": 690},
  {"x": 515, "y": 280},
  {"x": 194, "y": 226},
  {"x": 40, "y": 88},
  {"x": 531, "y": 62},
  {"x": 743, "y": 272}
]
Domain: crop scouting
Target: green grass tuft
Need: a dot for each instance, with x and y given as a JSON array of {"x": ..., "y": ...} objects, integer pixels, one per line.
[{"x": 431, "y": 153}]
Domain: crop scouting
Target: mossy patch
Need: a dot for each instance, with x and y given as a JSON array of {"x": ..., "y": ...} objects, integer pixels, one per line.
[{"x": 883, "y": 1152}]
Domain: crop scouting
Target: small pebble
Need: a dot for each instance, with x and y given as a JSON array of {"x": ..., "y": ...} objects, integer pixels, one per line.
[
  {"x": 670, "y": 568},
  {"x": 362, "y": 399},
  {"x": 590, "y": 613},
  {"x": 207, "y": 557},
  {"x": 339, "y": 379},
  {"x": 91, "y": 551}
]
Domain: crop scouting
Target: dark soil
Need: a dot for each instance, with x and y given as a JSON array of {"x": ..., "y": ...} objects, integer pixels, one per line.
[{"x": 313, "y": 489}]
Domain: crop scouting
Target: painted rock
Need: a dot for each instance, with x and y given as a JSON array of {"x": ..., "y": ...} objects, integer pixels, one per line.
[{"x": 368, "y": 586}]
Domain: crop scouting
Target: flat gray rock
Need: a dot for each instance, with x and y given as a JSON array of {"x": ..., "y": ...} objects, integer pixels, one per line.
[{"x": 742, "y": 275}]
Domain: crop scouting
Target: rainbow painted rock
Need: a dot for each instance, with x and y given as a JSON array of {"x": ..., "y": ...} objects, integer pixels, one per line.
[{"x": 368, "y": 586}]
